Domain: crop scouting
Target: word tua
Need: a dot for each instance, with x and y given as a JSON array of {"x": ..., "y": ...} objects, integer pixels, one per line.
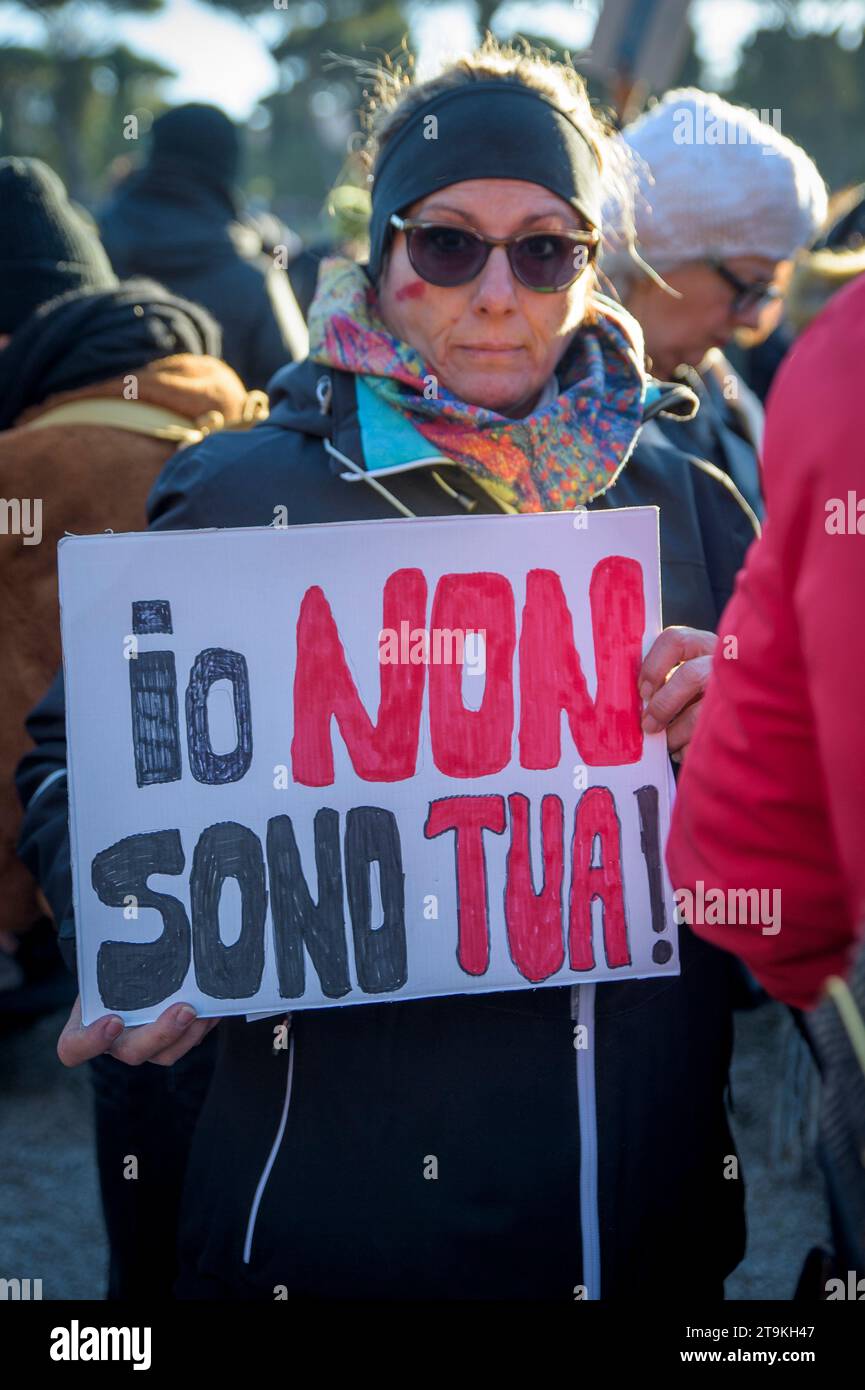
[{"x": 534, "y": 920}]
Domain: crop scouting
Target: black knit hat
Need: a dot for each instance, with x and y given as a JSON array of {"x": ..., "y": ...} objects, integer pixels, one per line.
[
  {"x": 199, "y": 139},
  {"x": 46, "y": 247}
]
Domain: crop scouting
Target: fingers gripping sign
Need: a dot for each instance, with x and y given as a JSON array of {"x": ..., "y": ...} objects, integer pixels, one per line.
[
  {"x": 174, "y": 1033},
  {"x": 672, "y": 682}
]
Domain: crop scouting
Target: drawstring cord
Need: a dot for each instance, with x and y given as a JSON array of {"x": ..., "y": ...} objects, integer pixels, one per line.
[{"x": 373, "y": 482}]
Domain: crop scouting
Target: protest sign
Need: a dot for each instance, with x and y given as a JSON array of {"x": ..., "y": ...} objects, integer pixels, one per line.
[{"x": 342, "y": 764}]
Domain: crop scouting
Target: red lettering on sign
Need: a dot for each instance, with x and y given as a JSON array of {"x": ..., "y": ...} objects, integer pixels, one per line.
[
  {"x": 596, "y": 815},
  {"x": 469, "y": 742},
  {"x": 470, "y": 816},
  {"x": 534, "y": 920},
  {"x": 606, "y": 731},
  {"x": 323, "y": 688}
]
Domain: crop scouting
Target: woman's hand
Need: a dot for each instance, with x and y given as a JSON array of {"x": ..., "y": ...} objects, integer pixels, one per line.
[
  {"x": 672, "y": 682},
  {"x": 163, "y": 1042}
]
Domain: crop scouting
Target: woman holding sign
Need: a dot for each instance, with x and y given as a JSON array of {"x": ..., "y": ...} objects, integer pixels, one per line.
[{"x": 450, "y": 1147}]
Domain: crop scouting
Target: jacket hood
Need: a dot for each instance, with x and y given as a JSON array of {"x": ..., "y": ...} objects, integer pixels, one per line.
[
  {"x": 297, "y": 402},
  {"x": 148, "y": 231},
  {"x": 84, "y": 337},
  {"x": 187, "y": 384}
]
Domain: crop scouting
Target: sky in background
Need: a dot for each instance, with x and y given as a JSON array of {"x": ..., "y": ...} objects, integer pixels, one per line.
[{"x": 222, "y": 59}]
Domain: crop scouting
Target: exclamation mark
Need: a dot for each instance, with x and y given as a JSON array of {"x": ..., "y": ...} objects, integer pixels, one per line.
[{"x": 650, "y": 844}]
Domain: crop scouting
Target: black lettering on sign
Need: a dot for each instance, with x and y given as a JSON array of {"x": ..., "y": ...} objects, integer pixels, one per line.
[
  {"x": 134, "y": 974},
  {"x": 297, "y": 921},
  {"x": 371, "y": 835},
  {"x": 155, "y": 724},
  {"x": 650, "y": 844},
  {"x": 228, "y": 850},
  {"x": 212, "y": 665},
  {"x": 151, "y": 615}
]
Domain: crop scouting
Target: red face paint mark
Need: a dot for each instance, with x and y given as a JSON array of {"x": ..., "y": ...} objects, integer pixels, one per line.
[{"x": 414, "y": 290}]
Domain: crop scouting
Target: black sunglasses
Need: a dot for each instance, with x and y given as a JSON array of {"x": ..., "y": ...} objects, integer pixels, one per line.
[
  {"x": 749, "y": 295},
  {"x": 445, "y": 255}
]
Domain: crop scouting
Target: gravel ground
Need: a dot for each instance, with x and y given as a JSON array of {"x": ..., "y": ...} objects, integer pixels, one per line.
[
  {"x": 50, "y": 1225},
  {"x": 50, "y": 1217},
  {"x": 774, "y": 1121}
]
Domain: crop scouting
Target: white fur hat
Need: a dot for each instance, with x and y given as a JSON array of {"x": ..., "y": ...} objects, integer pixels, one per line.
[{"x": 712, "y": 179}]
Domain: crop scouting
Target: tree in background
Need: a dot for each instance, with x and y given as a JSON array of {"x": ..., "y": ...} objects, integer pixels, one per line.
[
  {"x": 815, "y": 81},
  {"x": 817, "y": 85},
  {"x": 59, "y": 101},
  {"x": 68, "y": 99},
  {"x": 311, "y": 122}
]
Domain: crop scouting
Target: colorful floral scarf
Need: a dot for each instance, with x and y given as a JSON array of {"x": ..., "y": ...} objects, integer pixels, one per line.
[{"x": 560, "y": 457}]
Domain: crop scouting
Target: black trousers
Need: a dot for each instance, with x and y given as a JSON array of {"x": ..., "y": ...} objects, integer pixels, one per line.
[{"x": 145, "y": 1117}]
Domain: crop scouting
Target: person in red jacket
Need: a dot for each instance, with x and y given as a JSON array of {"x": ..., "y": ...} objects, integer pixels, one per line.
[{"x": 772, "y": 792}]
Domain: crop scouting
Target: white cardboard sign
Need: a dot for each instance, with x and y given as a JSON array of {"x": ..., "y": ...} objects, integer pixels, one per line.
[{"x": 342, "y": 764}]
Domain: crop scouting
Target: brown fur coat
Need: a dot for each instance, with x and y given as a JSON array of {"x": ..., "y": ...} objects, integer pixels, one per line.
[{"x": 89, "y": 478}]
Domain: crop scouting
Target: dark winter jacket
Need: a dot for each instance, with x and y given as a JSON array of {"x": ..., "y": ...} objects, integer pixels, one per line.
[
  {"x": 727, "y": 430},
  {"x": 188, "y": 237},
  {"x": 312, "y": 1164}
]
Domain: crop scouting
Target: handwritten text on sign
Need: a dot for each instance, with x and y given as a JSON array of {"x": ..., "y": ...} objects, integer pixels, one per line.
[{"x": 350, "y": 763}]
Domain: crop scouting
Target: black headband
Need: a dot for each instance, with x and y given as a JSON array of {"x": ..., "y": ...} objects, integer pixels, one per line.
[{"x": 495, "y": 129}]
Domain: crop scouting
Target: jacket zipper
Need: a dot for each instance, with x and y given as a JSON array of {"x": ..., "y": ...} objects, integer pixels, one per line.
[
  {"x": 583, "y": 1012},
  {"x": 271, "y": 1158}
]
